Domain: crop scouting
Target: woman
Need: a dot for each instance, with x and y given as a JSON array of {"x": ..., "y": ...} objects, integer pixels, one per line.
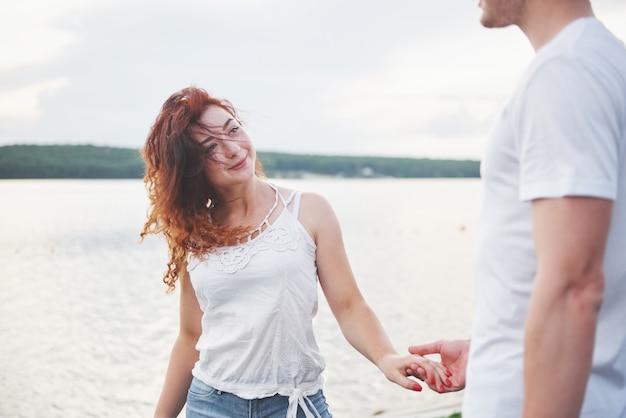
[{"x": 248, "y": 255}]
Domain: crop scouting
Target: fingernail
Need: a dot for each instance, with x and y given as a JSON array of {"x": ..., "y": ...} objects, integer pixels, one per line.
[
  {"x": 432, "y": 380},
  {"x": 417, "y": 387},
  {"x": 442, "y": 389},
  {"x": 448, "y": 382},
  {"x": 448, "y": 373}
]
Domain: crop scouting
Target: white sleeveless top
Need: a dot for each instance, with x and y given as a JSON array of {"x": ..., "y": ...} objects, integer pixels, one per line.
[{"x": 258, "y": 300}]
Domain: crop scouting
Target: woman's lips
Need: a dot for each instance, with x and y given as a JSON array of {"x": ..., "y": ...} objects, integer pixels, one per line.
[{"x": 240, "y": 164}]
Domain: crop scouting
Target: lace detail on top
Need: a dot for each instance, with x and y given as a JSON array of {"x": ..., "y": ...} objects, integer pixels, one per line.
[{"x": 277, "y": 237}]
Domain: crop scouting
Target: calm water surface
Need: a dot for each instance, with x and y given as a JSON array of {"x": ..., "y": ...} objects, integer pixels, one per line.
[{"x": 87, "y": 327}]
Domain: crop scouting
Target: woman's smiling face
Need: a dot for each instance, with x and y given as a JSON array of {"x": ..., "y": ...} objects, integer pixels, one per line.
[{"x": 229, "y": 154}]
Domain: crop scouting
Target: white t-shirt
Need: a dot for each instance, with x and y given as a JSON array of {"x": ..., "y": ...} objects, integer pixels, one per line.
[{"x": 562, "y": 133}]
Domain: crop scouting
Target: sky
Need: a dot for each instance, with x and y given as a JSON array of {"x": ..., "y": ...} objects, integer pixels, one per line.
[{"x": 401, "y": 78}]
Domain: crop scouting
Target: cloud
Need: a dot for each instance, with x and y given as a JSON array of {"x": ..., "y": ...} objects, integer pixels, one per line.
[
  {"x": 419, "y": 78},
  {"x": 17, "y": 104},
  {"x": 428, "y": 93}
]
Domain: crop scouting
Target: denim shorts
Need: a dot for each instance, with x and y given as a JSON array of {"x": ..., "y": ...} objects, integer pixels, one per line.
[{"x": 204, "y": 401}]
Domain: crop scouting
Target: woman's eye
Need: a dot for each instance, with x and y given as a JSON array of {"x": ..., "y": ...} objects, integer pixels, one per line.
[
  {"x": 234, "y": 130},
  {"x": 210, "y": 149}
]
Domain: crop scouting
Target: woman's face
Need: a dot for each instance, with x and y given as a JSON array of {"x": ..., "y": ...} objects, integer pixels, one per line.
[{"x": 229, "y": 154}]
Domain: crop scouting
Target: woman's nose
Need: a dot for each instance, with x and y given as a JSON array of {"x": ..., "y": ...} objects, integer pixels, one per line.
[{"x": 231, "y": 148}]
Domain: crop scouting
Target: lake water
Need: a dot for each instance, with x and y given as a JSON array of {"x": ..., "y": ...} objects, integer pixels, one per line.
[{"x": 87, "y": 327}]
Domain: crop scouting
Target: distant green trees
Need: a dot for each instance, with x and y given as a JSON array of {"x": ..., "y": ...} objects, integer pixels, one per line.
[
  {"x": 88, "y": 161},
  {"x": 69, "y": 161},
  {"x": 284, "y": 165}
]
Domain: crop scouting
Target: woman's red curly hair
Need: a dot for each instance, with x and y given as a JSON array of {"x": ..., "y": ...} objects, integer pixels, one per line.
[{"x": 178, "y": 188}]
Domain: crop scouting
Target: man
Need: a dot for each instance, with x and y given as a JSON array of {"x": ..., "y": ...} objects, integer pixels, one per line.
[{"x": 549, "y": 334}]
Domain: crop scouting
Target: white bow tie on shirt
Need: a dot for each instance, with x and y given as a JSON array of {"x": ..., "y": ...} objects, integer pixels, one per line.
[{"x": 297, "y": 398}]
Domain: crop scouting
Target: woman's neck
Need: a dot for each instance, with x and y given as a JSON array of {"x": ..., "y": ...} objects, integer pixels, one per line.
[{"x": 244, "y": 206}]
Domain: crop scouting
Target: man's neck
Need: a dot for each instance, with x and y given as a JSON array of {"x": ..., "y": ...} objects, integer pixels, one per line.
[{"x": 543, "y": 19}]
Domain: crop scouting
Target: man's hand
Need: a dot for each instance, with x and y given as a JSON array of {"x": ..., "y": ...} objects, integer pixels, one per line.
[{"x": 453, "y": 354}]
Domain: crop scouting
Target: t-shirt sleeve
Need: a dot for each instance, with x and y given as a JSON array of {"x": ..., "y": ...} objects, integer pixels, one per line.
[{"x": 568, "y": 134}]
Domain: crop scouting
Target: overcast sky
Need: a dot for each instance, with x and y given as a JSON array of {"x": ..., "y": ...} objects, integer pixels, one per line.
[{"x": 414, "y": 78}]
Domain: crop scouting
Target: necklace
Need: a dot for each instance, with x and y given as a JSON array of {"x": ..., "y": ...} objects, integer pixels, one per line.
[{"x": 264, "y": 223}]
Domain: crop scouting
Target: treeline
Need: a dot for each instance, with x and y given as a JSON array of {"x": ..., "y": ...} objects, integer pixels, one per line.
[
  {"x": 91, "y": 162},
  {"x": 293, "y": 165}
]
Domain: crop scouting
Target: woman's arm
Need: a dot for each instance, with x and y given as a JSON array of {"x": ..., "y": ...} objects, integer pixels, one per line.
[
  {"x": 358, "y": 322},
  {"x": 184, "y": 354}
]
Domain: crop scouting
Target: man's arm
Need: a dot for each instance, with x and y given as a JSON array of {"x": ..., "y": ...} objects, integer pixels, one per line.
[{"x": 570, "y": 238}]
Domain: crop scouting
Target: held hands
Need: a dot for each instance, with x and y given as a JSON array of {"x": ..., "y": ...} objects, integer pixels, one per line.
[
  {"x": 398, "y": 369},
  {"x": 453, "y": 354}
]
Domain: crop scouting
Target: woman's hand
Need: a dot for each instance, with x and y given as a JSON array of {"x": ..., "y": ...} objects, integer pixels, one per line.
[
  {"x": 453, "y": 355},
  {"x": 399, "y": 369}
]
